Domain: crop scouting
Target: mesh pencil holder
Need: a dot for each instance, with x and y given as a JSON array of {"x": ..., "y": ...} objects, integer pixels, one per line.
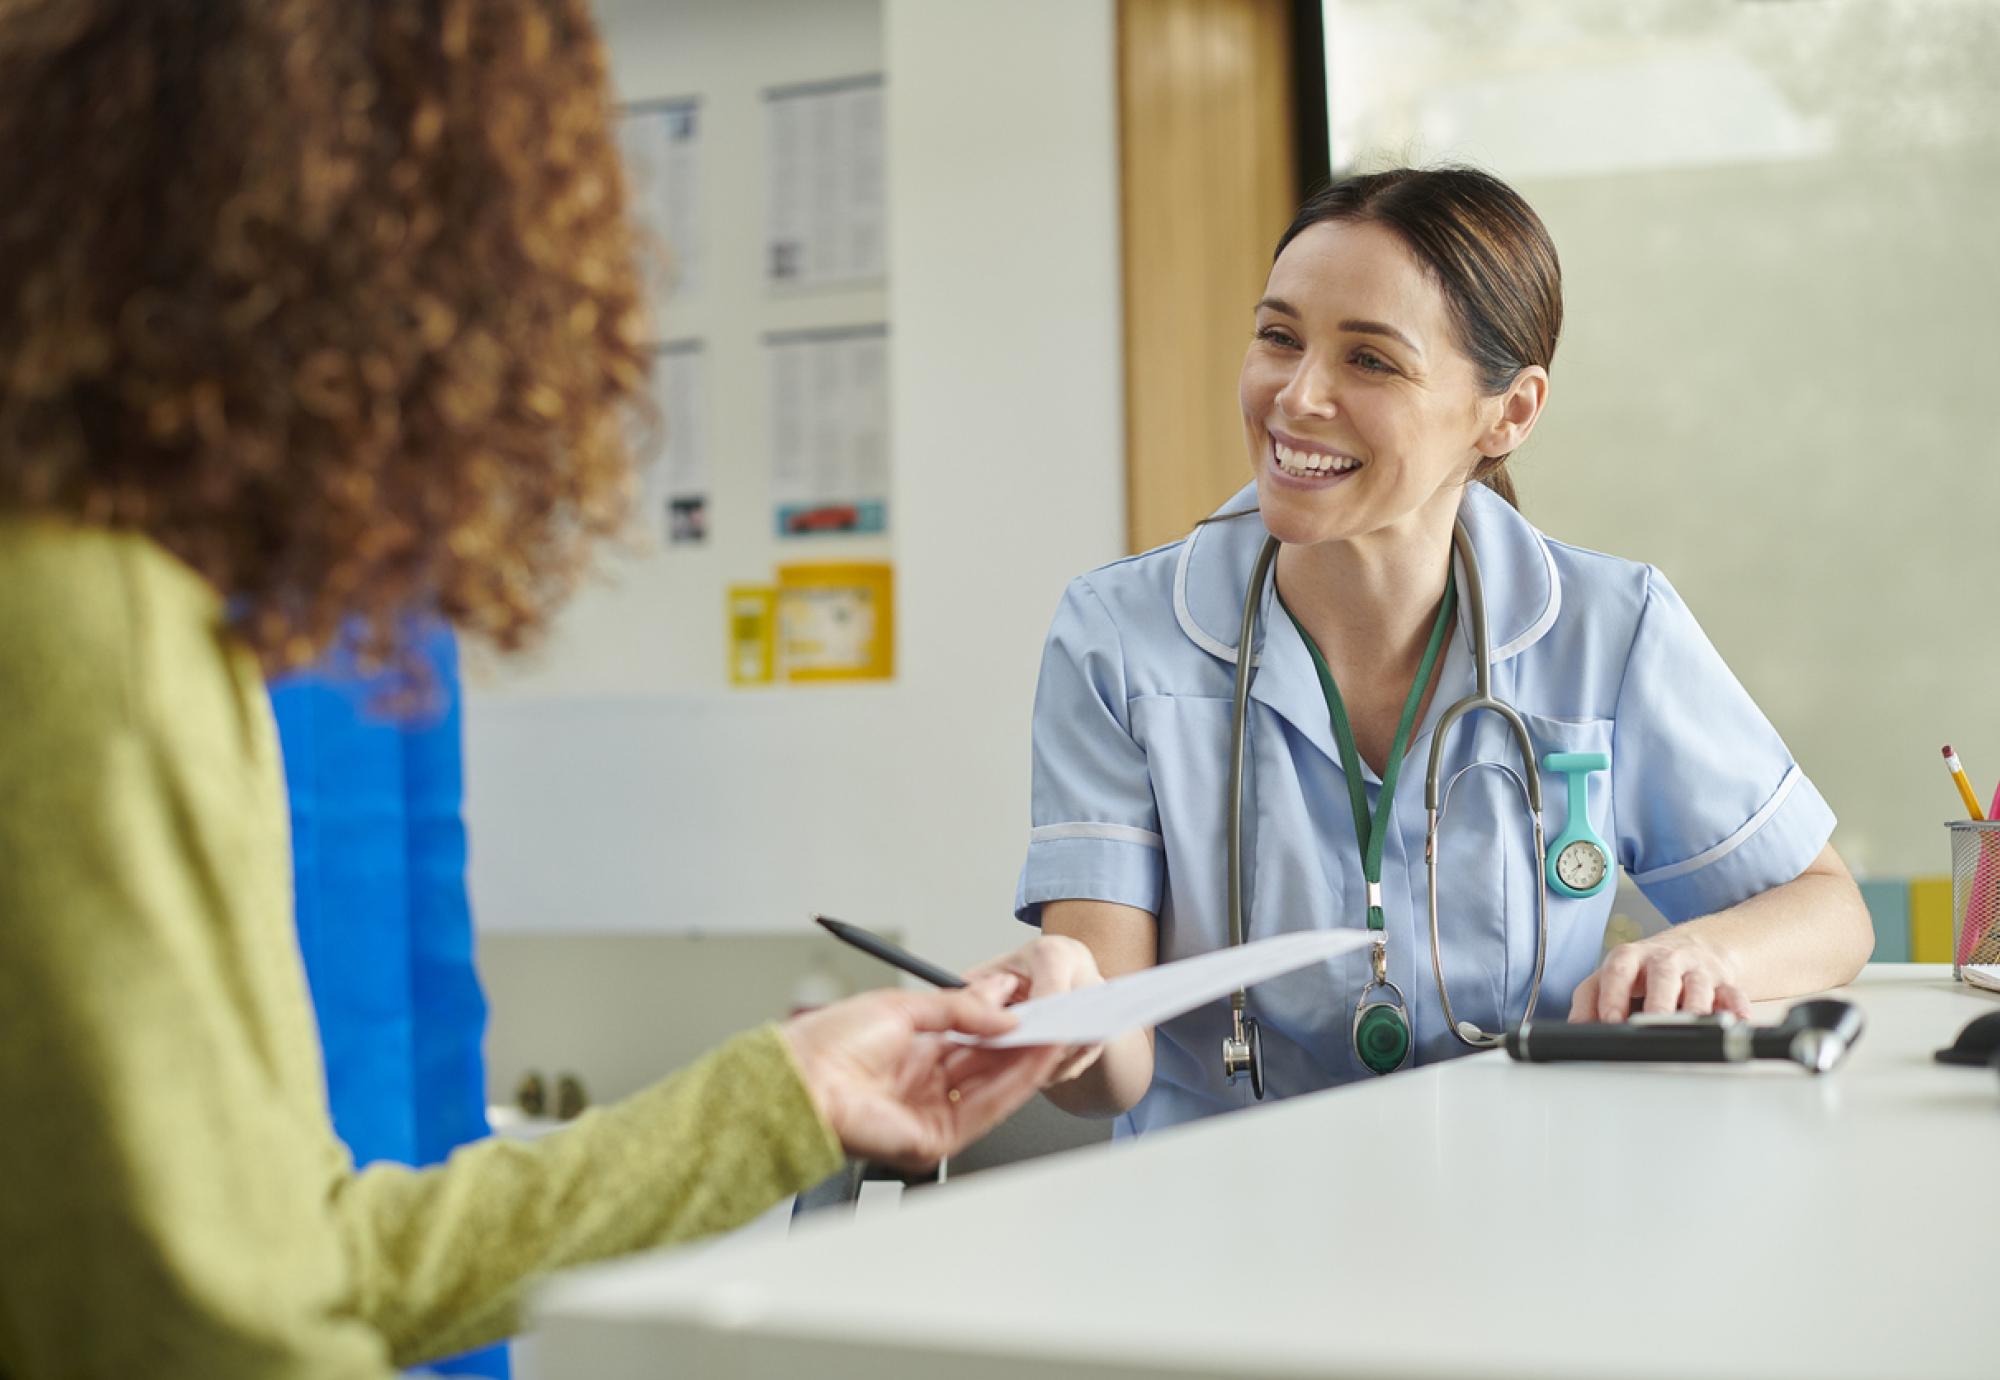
[{"x": 1975, "y": 893}]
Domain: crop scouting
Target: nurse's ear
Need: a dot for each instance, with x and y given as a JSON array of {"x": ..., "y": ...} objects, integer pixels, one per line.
[{"x": 1510, "y": 414}]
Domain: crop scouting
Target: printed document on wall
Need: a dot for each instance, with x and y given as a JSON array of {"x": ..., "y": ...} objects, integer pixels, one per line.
[
  {"x": 827, "y": 198},
  {"x": 661, "y": 145},
  {"x": 672, "y": 446},
  {"x": 829, "y": 433}
]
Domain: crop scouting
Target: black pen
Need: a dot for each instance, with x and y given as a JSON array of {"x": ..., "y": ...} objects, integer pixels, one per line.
[{"x": 891, "y": 954}]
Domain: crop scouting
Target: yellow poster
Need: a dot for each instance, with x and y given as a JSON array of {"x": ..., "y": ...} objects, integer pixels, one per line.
[
  {"x": 753, "y": 618},
  {"x": 836, "y": 621}
]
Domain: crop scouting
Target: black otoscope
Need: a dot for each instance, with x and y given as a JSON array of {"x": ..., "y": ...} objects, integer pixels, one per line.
[{"x": 1816, "y": 1035}]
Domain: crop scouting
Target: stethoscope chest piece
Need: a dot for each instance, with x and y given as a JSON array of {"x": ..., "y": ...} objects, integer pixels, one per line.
[{"x": 1243, "y": 1053}]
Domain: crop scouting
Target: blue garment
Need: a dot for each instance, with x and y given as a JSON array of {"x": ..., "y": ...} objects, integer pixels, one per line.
[
  {"x": 1705, "y": 807},
  {"x": 378, "y": 846}
]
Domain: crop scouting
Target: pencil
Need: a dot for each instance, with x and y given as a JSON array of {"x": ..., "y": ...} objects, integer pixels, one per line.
[{"x": 1964, "y": 786}]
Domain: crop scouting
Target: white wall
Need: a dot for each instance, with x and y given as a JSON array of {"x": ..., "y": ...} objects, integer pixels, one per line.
[
  {"x": 902, "y": 805},
  {"x": 653, "y": 625},
  {"x": 1777, "y": 372},
  {"x": 1799, "y": 431}
]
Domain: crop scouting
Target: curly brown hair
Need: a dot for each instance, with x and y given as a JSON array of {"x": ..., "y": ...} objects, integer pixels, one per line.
[{"x": 334, "y": 299}]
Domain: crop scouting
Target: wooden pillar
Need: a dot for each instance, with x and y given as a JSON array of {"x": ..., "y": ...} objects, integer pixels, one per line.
[{"x": 1209, "y": 173}]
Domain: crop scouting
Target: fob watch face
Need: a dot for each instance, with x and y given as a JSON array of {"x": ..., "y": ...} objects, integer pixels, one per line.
[{"x": 1580, "y": 865}]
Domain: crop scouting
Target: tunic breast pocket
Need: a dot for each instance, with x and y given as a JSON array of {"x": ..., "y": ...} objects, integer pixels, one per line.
[
  {"x": 1492, "y": 882},
  {"x": 1582, "y": 854},
  {"x": 1485, "y": 847}
]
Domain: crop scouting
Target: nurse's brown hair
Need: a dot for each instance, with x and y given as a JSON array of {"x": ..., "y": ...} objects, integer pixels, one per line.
[
  {"x": 1488, "y": 252},
  {"x": 333, "y": 300}
]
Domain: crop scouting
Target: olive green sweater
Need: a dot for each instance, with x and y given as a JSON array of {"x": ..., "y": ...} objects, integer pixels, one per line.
[{"x": 175, "y": 1203}]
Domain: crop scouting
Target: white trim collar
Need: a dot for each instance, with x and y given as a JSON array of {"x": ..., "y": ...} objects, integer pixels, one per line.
[{"x": 1523, "y": 588}]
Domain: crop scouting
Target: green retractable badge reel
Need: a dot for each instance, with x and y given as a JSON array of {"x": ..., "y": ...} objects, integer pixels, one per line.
[
  {"x": 1381, "y": 1017},
  {"x": 1382, "y": 1036},
  {"x": 1579, "y": 863}
]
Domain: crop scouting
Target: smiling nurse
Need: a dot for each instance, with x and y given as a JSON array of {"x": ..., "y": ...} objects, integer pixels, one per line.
[{"x": 1400, "y": 354}]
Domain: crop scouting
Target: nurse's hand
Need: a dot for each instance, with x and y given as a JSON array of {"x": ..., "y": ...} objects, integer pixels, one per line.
[
  {"x": 1045, "y": 967},
  {"x": 1675, "y": 971},
  {"x": 896, "y": 1092}
]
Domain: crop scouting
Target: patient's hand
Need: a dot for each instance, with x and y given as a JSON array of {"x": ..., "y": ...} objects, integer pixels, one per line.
[{"x": 894, "y": 1090}]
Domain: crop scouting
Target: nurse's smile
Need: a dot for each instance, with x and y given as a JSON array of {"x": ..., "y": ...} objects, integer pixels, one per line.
[{"x": 1302, "y": 464}]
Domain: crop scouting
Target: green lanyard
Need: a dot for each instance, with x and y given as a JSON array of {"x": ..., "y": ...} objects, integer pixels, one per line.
[{"x": 1370, "y": 830}]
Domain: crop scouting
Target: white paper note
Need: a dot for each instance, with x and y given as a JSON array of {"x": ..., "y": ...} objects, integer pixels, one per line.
[
  {"x": 826, "y": 198},
  {"x": 661, "y": 145},
  {"x": 829, "y": 410},
  {"x": 1091, "y": 1015},
  {"x": 672, "y": 449}
]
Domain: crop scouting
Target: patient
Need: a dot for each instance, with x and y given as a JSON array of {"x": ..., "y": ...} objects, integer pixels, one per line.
[{"x": 312, "y": 316}]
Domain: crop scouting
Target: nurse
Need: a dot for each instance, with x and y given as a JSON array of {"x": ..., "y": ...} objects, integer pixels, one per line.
[{"x": 1399, "y": 355}]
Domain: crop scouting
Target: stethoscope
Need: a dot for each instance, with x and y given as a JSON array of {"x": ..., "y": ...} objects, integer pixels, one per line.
[{"x": 1381, "y": 1030}]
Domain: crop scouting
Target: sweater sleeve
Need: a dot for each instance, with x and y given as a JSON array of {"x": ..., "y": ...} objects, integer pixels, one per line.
[
  {"x": 162, "y": 1219},
  {"x": 165, "y": 1214},
  {"x": 176, "y": 1204},
  {"x": 441, "y": 1257}
]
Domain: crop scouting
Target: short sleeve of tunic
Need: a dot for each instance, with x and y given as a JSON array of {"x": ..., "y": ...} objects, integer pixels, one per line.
[
  {"x": 1095, "y": 828},
  {"x": 1711, "y": 808}
]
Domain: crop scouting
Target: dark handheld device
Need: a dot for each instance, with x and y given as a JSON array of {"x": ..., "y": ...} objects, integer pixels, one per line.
[
  {"x": 893, "y": 954},
  {"x": 1815, "y": 1034},
  {"x": 1978, "y": 1045}
]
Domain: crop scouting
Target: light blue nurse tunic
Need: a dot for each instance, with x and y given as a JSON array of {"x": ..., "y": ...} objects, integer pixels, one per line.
[{"x": 1704, "y": 807}]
